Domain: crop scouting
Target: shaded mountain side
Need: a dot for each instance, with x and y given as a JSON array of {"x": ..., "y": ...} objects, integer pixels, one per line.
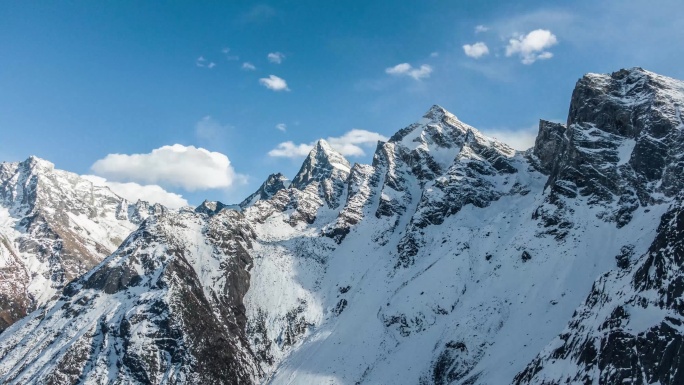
[{"x": 166, "y": 307}]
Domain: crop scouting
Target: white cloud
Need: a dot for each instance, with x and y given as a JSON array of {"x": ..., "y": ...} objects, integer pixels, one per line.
[
  {"x": 134, "y": 192},
  {"x": 476, "y": 50},
  {"x": 434, "y": 54},
  {"x": 211, "y": 65},
  {"x": 274, "y": 83},
  {"x": 349, "y": 144},
  {"x": 276, "y": 57},
  {"x": 209, "y": 128},
  {"x": 187, "y": 167},
  {"x": 290, "y": 150},
  {"x": 532, "y": 47},
  {"x": 248, "y": 66},
  {"x": 281, "y": 126},
  {"x": 521, "y": 139},
  {"x": 405, "y": 69},
  {"x": 481, "y": 28}
]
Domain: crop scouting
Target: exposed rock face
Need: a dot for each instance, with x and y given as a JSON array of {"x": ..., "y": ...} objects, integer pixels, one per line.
[
  {"x": 623, "y": 145},
  {"x": 54, "y": 226},
  {"x": 166, "y": 307},
  {"x": 452, "y": 259},
  {"x": 549, "y": 144}
]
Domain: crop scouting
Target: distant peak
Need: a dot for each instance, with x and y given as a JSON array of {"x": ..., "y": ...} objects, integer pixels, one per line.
[
  {"x": 272, "y": 184},
  {"x": 277, "y": 178},
  {"x": 34, "y": 162},
  {"x": 323, "y": 151},
  {"x": 321, "y": 163},
  {"x": 210, "y": 207},
  {"x": 437, "y": 112},
  {"x": 323, "y": 145}
]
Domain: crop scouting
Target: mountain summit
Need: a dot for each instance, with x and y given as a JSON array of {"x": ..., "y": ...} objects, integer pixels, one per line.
[{"x": 326, "y": 167}]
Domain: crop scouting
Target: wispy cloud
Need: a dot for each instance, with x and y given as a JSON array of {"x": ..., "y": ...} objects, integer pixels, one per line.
[
  {"x": 209, "y": 128},
  {"x": 187, "y": 167},
  {"x": 248, "y": 66},
  {"x": 274, "y": 83},
  {"x": 133, "y": 192},
  {"x": 281, "y": 126},
  {"x": 434, "y": 54},
  {"x": 226, "y": 53},
  {"x": 258, "y": 14},
  {"x": 405, "y": 69},
  {"x": 532, "y": 47},
  {"x": 481, "y": 28},
  {"x": 352, "y": 143},
  {"x": 476, "y": 50},
  {"x": 276, "y": 57},
  {"x": 202, "y": 62}
]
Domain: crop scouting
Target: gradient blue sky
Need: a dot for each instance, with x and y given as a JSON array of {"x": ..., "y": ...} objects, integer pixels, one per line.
[{"x": 80, "y": 80}]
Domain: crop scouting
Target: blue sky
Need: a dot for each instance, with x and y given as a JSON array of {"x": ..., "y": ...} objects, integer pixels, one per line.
[{"x": 207, "y": 93}]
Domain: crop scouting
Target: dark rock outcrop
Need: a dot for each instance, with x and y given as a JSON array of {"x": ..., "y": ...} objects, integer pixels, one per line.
[
  {"x": 549, "y": 144},
  {"x": 622, "y": 137}
]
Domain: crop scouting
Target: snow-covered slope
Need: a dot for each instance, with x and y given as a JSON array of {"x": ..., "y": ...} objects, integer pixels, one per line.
[
  {"x": 630, "y": 328},
  {"x": 54, "y": 226},
  {"x": 451, "y": 259},
  {"x": 456, "y": 259}
]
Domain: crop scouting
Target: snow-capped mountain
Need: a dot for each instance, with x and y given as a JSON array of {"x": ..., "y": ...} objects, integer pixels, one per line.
[
  {"x": 54, "y": 227},
  {"x": 451, "y": 259}
]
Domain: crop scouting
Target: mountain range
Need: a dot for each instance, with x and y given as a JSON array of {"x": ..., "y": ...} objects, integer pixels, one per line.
[{"x": 451, "y": 259}]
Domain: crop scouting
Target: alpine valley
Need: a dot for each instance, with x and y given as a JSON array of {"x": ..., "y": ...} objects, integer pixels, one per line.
[{"x": 451, "y": 259}]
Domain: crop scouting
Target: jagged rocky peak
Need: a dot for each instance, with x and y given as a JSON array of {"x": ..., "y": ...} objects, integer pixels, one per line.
[
  {"x": 627, "y": 102},
  {"x": 623, "y": 144},
  {"x": 435, "y": 142},
  {"x": 323, "y": 162},
  {"x": 548, "y": 144},
  {"x": 272, "y": 184},
  {"x": 438, "y": 127},
  {"x": 328, "y": 168}
]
